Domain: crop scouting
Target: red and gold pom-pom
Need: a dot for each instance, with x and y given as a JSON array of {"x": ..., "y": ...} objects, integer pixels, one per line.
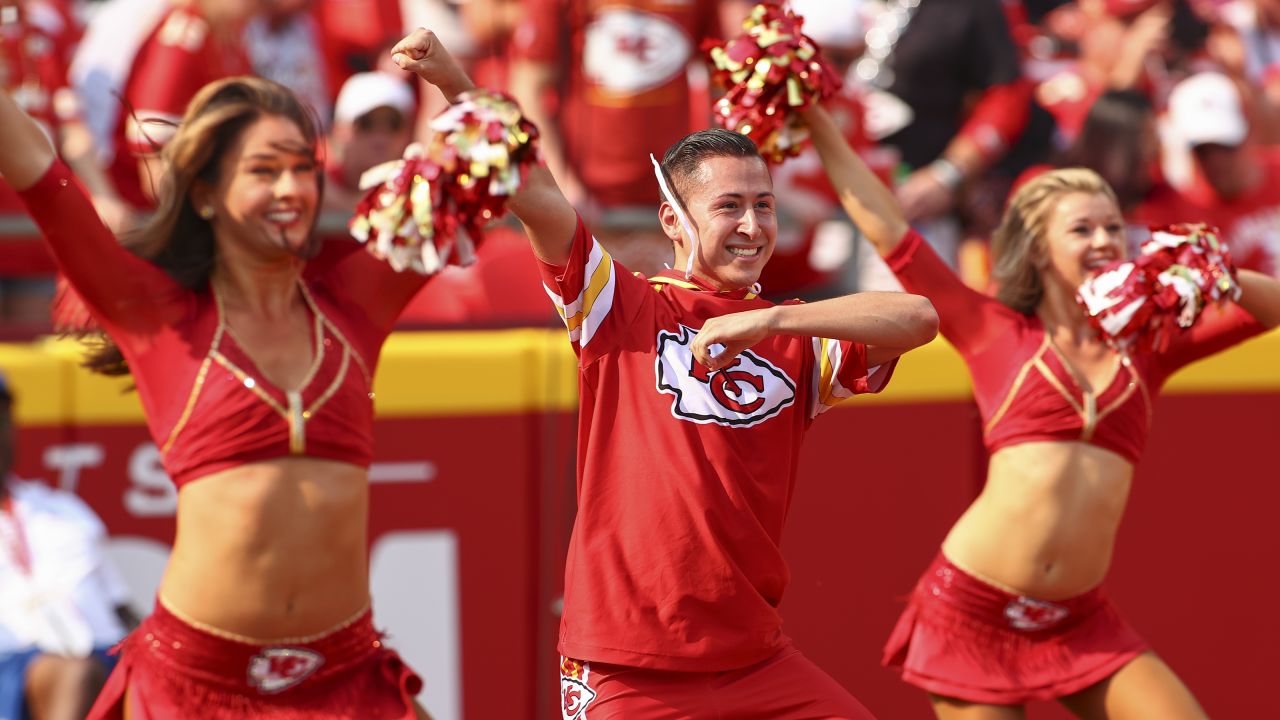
[
  {"x": 770, "y": 73},
  {"x": 431, "y": 207},
  {"x": 1145, "y": 301},
  {"x": 485, "y": 146},
  {"x": 401, "y": 219}
]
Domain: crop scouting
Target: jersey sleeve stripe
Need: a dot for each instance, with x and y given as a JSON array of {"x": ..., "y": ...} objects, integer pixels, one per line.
[
  {"x": 830, "y": 390},
  {"x": 587, "y": 311}
]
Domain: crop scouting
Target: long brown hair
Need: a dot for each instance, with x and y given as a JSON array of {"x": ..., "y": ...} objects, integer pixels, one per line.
[
  {"x": 176, "y": 238},
  {"x": 1018, "y": 246}
]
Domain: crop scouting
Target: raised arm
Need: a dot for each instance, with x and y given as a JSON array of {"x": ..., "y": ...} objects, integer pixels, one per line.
[
  {"x": 888, "y": 323},
  {"x": 1260, "y": 296},
  {"x": 25, "y": 152},
  {"x": 870, "y": 204},
  {"x": 548, "y": 218},
  {"x": 968, "y": 319},
  {"x": 121, "y": 289}
]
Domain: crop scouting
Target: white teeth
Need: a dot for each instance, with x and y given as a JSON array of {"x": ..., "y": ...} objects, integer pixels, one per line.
[
  {"x": 745, "y": 252},
  {"x": 283, "y": 217}
]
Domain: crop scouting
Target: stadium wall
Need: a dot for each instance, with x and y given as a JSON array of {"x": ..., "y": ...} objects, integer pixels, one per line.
[{"x": 472, "y": 501}]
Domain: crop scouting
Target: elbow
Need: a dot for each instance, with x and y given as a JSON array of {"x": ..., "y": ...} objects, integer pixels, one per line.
[{"x": 923, "y": 320}]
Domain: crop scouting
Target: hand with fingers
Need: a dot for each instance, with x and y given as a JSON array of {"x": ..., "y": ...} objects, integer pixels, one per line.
[
  {"x": 422, "y": 53},
  {"x": 736, "y": 332}
]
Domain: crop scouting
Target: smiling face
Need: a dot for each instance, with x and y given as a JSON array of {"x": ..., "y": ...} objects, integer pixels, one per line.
[
  {"x": 265, "y": 198},
  {"x": 731, "y": 204},
  {"x": 1083, "y": 233}
]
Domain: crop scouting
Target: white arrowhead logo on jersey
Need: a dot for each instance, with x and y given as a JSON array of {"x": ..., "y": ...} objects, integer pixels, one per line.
[{"x": 746, "y": 393}]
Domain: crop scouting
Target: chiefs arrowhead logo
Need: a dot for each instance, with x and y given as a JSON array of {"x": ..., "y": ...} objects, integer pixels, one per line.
[
  {"x": 280, "y": 668},
  {"x": 1026, "y": 613},
  {"x": 746, "y": 393},
  {"x": 575, "y": 696}
]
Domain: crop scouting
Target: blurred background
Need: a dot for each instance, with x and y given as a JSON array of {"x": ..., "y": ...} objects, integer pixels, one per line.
[{"x": 953, "y": 102}]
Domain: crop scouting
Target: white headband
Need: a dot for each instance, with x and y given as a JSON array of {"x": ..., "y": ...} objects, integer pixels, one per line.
[{"x": 684, "y": 219}]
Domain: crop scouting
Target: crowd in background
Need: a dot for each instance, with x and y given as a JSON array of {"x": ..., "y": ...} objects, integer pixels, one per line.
[{"x": 1172, "y": 101}]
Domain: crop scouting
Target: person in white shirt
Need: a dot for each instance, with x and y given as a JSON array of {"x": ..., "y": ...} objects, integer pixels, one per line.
[{"x": 62, "y": 605}]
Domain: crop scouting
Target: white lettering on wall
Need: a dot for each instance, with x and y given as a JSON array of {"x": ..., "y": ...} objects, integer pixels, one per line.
[
  {"x": 68, "y": 460},
  {"x": 150, "y": 492}
]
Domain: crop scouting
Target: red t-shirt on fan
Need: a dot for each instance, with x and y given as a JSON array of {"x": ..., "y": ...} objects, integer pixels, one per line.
[
  {"x": 626, "y": 93},
  {"x": 1250, "y": 224},
  {"x": 178, "y": 58},
  {"x": 33, "y": 52},
  {"x": 684, "y": 475}
]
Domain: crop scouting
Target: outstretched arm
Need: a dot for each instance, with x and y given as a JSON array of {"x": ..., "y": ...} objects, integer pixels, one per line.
[
  {"x": 888, "y": 323},
  {"x": 547, "y": 216},
  {"x": 25, "y": 152},
  {"x": 1261, "y": 297},
  {"x": 870, "y": 204}
]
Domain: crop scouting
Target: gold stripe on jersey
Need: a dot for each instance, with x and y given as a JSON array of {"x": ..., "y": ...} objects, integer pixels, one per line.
[
  {"x": 660, "y": 281},
  {"x": 829, "y": 358},
  {"x": 584, "y": 315}
]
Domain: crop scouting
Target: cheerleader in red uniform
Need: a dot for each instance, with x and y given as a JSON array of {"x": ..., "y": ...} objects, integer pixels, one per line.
[
  {"x": 1012, "y": 610},
  {"x": 254, "y": 369}
]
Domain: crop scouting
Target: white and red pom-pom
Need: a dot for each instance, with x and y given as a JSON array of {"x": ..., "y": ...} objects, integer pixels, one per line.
[
  {"x": 430, "y": 208},
  {"x": 770, "y": 73},
  {"x": 1145, "y": 301}
]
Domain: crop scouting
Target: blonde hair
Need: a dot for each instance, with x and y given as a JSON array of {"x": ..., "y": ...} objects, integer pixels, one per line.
[{"x": 1018, "y": 249}]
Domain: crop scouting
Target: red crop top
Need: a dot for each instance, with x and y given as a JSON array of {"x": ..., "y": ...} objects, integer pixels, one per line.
[
  {"x": 1026, "y": 389},
  {"x": 207, "y": 406}
]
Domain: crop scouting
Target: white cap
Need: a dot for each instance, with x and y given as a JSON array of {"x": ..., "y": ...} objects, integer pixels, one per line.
[
  {"x": 1205, "y": 109},
  {"x": 832, "y": 23},
  {"x": 363, "y": 93}
]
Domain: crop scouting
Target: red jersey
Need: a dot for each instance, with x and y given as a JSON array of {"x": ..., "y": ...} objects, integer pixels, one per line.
[
  {"x": 684, "y": 475},
  {"x": 33, "y": 71},
  {"x": 353, "y": 33},
  {"x": 1250, "y": 224},
  {"x": 1026, "y": 389},
  {"x": 208, "y": 407},
  {"x": 180, "y": 56},
  {"x": 627, "y": 93}
]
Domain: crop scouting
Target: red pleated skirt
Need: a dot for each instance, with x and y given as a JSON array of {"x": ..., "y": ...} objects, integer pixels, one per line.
[
  {"x": 171, "y": 670},
  {"x": 963, "y": 638}
]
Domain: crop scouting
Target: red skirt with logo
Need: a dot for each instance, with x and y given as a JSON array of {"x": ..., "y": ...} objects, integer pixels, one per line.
[
  {"x": 963, "y": 638},
  {"x": 171, "y": 670}
]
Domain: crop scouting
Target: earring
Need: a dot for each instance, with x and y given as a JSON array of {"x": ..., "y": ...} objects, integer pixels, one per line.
[{"x": 206, "y": 212}]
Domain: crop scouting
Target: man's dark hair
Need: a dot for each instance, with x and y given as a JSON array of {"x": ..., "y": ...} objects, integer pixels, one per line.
[{"x": 683, "y": 158}]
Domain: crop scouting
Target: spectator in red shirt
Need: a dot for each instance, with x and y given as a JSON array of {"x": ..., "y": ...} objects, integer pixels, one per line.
[
  {"x": 155, "y": 55},
  {"x": 607, "y": 84},
  {"x": 36, "y": 37},
  {"x": 1236, "y": 184}
]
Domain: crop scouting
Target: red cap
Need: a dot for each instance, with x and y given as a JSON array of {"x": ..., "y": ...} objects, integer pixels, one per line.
[{"x": 1127, "y": 8}]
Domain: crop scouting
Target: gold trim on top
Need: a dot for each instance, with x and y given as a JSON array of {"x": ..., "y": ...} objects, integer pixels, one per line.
[
  {"x": 196, "y": 387},
  {"x": 333, "y": 386},
  {"x": 317, "y": 355},
  {"x": 297, "y": 424},
  {"x": 228, "y": 635},
  {"x": 1013, "y": 389},
  {"x": 250, "y": 382},
  {"x": 333, "y": 328},
  {"x": 1135, "y": 380},
  {"x": 1089, "y": 415}
]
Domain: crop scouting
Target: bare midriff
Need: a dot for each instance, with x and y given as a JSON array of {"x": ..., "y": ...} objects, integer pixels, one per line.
[
  {"x": 271, "y": 550},
  {"x": 1046, "y": 521}
]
